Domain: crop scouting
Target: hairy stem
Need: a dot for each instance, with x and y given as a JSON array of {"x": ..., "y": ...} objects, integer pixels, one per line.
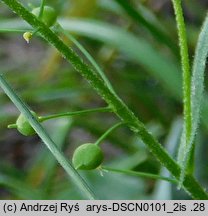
[
  {"x": 117, "y": 105},
  {"x": 185, "y": 66},
  {"x": 177, "y": 4}
]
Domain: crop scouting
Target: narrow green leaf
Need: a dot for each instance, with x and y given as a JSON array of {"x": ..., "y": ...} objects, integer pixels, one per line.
[
  {"x": 198, "y": 76},
  {"x": 197, "y": 91}
]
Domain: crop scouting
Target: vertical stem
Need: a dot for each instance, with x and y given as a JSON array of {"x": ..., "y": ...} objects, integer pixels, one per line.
[
  {"x": 185, "y": 69},
  {"x": 41, "y": 9}
]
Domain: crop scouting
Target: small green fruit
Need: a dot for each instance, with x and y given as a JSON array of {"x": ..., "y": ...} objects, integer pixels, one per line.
[
  {"x": 87, "y": 157},
  {"x": 23, "y": 126},
  {"x": 49, "y": 15}
]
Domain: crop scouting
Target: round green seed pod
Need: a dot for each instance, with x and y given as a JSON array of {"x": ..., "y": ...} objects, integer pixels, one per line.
[
  {"x": 49, "y": 15},
  {"x": 23, "y": 126},
  {"x": 87, "y": 157}
]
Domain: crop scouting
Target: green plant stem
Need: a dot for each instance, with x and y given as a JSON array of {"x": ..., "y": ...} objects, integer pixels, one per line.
[
  {"x": 13, "y": 30},
  {"x": 110, "y": 130},
  {"x": 77, "y": 179},
  {"x": 185, "y": 66},
  {"x": 12, "y": 126},
  {"x": 139, "y": 174},
  {"x": 118, "y": 106},
  {"x": 177, "y": 4},
  {"x": 41, "y": 9},
  {"x": 67, "y": 114}
]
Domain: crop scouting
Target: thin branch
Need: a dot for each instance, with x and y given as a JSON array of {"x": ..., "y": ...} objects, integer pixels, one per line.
[{"x": 140, "y": 174}]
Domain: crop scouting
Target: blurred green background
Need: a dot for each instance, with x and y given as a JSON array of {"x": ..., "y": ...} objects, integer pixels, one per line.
[{"x": 135, "y": 43}]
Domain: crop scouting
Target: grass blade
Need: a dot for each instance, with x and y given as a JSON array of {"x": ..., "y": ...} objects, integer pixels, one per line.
[
  {"x": 198, "y": 76},
  {"x": 197, "y": 91}
]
